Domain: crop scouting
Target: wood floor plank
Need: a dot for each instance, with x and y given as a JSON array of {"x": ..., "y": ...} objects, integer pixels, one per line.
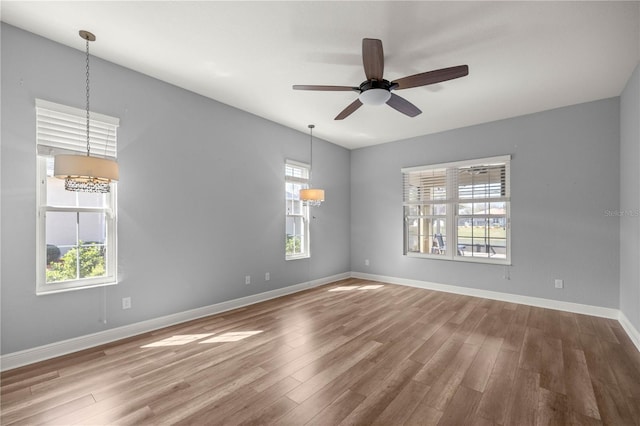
[
  {"x": 537, "y": 318},
  {"x": 552, "y": 365},
  {"x": 482, "y": 329},
  {"x": 49, "y": 415},
  {"x": 461, "y": 410},
  {"x": 603, "y": 330},
  {"x": 514, "y": 337},
  {"x": 581, "y": 397},
  {"x": 597, "y": 361},
  {"x": 433, "y": 369},
  {"x": 501, "y": 321},
  {"x": 443, "y": 389},
  {"x": 399, "y": 410},
  {"x": 531, "y": 355},
  {"x": 311, "y": 386},
  {"x": 552, "y": 408},
  {"x": 523, "y": 402},
  {"x": 375, "y": 403},
  {"x": 477, "y": 375},
  {"x": 271, "y": 414},
  {"x": 634, "y": 408},
  {"x": 521, "y": 315},
  {"x": 386, "y": 360},
  {"x": 623, "y": 368},
  {"x": 429, "y": 348},
  {"x": 612, "y": 406},
  {"x": 495, "y": 398},
  {"x": 308, "y": 409},
  {"x": 350, "y": 352},
  {"x": 585, "y": 325},
  {"x": 335, "y": 412},
  {"x": 423, "y": 415}
]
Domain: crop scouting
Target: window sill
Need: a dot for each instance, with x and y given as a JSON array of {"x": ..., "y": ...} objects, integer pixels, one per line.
[
  {"x": 306, "y": 256},
  {"x": 41, "y": 292},
  {"x": 468, "y": 259}
]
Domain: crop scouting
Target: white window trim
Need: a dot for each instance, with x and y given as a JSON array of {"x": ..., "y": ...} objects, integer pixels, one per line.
[
  {"x": 42, "y": 152},
  {"x": 305, "y": 215},
  {"x": 452, "y": 218}
]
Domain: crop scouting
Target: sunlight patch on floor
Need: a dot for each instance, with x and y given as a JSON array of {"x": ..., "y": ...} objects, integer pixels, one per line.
[
  {"x": 370, "y": 287},
  {"x": 178, "y": 340},
  {"x": 232, "y": 336},
  {"x": 357, "y": 287}
]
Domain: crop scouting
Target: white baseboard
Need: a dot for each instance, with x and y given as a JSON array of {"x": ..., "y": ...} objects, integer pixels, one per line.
[
  {"x": 52, "y": 350},
  {"x": 632, "y": 332}
]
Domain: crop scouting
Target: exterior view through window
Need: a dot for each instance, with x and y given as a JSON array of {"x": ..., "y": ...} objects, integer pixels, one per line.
[{"x": 458, "y": 211}]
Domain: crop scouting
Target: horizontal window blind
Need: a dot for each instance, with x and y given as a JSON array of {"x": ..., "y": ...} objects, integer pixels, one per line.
[
  {"x": 63, "y": 130},
  {"x": 425, "y": 186},
  {"x": 478, "y": 180},
  {"x": 296, "y": 172},
  {"x": 483, "y": 183}
]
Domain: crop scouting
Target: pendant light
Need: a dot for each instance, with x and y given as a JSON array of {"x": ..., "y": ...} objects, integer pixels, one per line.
[
  {"x": 84, "y": 172},
  {"x": 311, "y": 196}
]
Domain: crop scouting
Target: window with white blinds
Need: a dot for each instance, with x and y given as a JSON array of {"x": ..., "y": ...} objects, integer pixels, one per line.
[
  {"x": 61, "y": 129},
  {"x": 296, "y": 176},
  {"x": 76, "y": 230},
  {"x": 458, "y": 211}
]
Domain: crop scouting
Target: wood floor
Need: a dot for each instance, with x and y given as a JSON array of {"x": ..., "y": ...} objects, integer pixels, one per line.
[{"x": 352, "y": 352}]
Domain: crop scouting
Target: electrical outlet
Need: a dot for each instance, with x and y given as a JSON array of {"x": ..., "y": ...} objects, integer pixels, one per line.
[
  {"x": 247, "y": 279},
  {"x": 126, "y": 303},
  {"x": 366, "y": 262},
  {"x": 559, "y": 283},
  {"x": 267, "y": 276}
]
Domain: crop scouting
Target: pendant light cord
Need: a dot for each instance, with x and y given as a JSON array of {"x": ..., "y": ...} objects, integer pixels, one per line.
[
  {"x": 88, "y": 146},
  {"x": 311, "y": 126}
]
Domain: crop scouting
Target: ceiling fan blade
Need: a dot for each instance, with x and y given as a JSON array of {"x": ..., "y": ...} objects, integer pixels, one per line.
[
  {"x": 372, "y": 58},
  {"x": 430, "y": 77},
  {"x": 349, "y": 110},
  {"x": 404, "y": 106},
  {"x": 325, "y": 88}
]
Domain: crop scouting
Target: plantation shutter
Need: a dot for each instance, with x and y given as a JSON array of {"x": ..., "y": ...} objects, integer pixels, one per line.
[
  {"x": 61, "y": 129},
  {"x": 296, "y": 172},
  {"x": 425, "y": 186},
  {"x": 479, "y": 180},
  {"x": 483, "y": 182}
]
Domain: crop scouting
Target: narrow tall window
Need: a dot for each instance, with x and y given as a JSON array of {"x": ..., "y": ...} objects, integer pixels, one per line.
[
  {"x": 297, "y": 214},
  {"x": 76, "y": 231},
  {"x": 458, "y": 211}
]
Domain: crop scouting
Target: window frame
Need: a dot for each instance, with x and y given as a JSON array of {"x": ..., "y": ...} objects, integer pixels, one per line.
[
  {"x": 452, "y": 203},
  {"x": 43, "y": 153},
  {"x": 304, "y": 215}
]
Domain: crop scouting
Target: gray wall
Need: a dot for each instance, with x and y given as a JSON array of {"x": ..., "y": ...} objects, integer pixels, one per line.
[
  {"x": 630, "y": 200},
  {"x": 564, "y": 175},
  {"x": 201, "y": 197}
]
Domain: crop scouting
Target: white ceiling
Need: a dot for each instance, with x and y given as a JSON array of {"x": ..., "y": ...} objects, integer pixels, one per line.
[{"x": 523, "y": 57}]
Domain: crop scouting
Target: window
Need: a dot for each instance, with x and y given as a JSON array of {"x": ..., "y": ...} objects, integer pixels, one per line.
[
  {"x": 297, "y": 213},
  {"x": 76, "y": 231},
  {"x": 458, "y": 211}
]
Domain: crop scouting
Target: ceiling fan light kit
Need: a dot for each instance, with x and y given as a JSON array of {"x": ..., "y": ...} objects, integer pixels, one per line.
[
  {"x": 374, "y": 96},
  {"x": 377, "y": 91}
]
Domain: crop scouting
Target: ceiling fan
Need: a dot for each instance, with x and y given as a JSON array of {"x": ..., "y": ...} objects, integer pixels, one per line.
[{"x": 375, "y": 90}]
